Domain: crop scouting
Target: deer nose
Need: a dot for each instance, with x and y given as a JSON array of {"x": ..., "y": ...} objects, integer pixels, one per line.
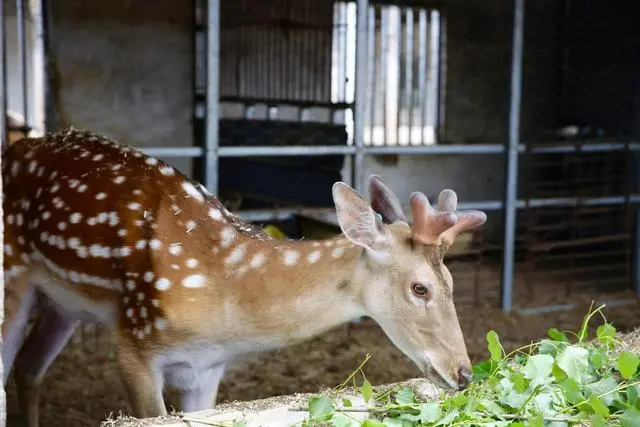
[{"x": 464, "y": 378}]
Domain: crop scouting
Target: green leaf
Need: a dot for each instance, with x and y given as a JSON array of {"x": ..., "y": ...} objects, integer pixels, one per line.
[
  {"x": 519, "y": 382},
  {"x": 572, "y": 390},
  {"x": 556, "y": 335},
  {"x": 395, "y": 422},
  {"x": 598, "y": 421},
  {"x": 405, "y": 397},
  {"x": 538, "y": 368},
  {"x": 370, "y": 422},
  {"x": 495, "y": 348},
  {"x": 367, "y": 390},
  {"x": 430, "y": 412},
  {"x": 598, "y": 407},
  {"x": 346, "y": 402},
  {"x": 535, "y": 421},
  {"x": 574, "y": 361},
  {"x": 605, "y": 389},
  {"x": 321, "y": 408},
  {"x": 459, "y": 400},
  {"x": 341, "y": 420},
  {"x": 627, "y": 364},
  {"x": 448, "y": 419},
  {"x": 483, "y": 370},
  {"x": 598, "y": 358},
  {"x": 630, "y": 418},
  {"x": 632, "y": 395},
  {"x": 606, "y": 334}
]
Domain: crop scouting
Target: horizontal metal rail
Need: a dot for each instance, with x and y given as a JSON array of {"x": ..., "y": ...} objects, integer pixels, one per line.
[
  {"x": 265, "y": 151},
  {"x": 566, "y": 307},
  {"x": 173, "y": 151},
  {"x": 328, "y": 214}
]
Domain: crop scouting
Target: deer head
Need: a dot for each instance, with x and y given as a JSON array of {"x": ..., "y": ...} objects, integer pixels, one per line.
[{"x": 401, "y": 278}]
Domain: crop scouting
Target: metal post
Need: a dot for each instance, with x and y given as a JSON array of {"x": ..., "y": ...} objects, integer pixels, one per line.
[
  {"x": 636, "y": 188},
  {"x": 22, "y": 54},
  {"x": 511, "y": 185},
  {"x": 39, "y": 65},
  {"x": 3, "y": 76},
  {"x": 3, "y": 140},
  {"x": 362, "y": 77},
  {"x": 213, "y": 96}
]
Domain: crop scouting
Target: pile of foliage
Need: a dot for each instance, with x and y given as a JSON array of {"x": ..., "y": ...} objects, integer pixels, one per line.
[{"x": 568, "y": 379}]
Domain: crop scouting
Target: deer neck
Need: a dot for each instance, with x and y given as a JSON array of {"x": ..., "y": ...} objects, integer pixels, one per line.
[{"x": 294, "y": 290}]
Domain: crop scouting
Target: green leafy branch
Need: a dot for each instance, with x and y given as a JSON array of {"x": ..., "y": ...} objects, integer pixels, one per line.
[{"x": 563, "y": 380}]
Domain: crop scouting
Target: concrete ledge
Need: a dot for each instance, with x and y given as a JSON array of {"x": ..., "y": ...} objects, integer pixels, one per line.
[{"x": 276, "y": 411}]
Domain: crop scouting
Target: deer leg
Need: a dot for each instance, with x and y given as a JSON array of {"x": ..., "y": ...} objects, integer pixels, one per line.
[
  {"x": 44, "y": 343},
  {"x": 20, "y": 299},
  {"x": 142, "y": 381},
  {"x": 203, "y": 396}
]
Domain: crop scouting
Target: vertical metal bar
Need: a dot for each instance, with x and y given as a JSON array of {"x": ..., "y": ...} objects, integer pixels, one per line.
[
  {"x": 39, "y": 88},
  {"x": 636, "y": 264},
  {"x": 384, "y": 67},
  {"x": 511, "y": 185},
  {"x": 22, "y": 54},
  {"x": 442, "y": 77},
  {"x": 213, "y": 96},
  {"x": 372, "y": 75},
  {"x": 3, "y": 75},
  {"x": 362, "y": 27},
  {"x": 434, "y": 75},
  {"x": 422, "y": 71},
  {"x": 409, "y": 52}
]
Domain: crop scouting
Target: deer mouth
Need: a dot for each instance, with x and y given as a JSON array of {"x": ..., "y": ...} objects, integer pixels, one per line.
[{"x": 437, "y": 376}]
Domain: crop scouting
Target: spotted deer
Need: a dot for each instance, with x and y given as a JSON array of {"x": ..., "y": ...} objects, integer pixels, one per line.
[{"x": 101, "y": 232}]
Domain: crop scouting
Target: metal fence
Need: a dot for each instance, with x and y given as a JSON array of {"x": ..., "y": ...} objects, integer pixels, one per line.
[{"x": 379, "y": 72}]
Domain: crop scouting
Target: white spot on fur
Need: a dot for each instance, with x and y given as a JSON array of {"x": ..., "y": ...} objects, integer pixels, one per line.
[
  {"x": 291, "y": 257},
  {"x": 191, "y": 224},
  {"x": 227, "y": 235},
  {"x": 166, "y": 170},
  {"x": 337, "y": 252},
  {"x": 194, "y": 281},
  {"x": 134, "y": 206},
  {"x": 163, "y": 284},
  {"x": 313, "y": 257},
  {"x": 161, "y": 323},
  {"x": 148, "y": 276},
  {"x": 192, "y": 191},
  {"x": 151, "y": 161},
  {"x": 236, "y": 255},
  {"x": 155, "y": 244},
  {"x": 192, "y": 263},
  {"x": 215, "y": 214},
  {"x": 258, "y": 260},
  {"x": 101, "y": 196},
  {"x": 141, "y": 244},
  {"x": 75, "y": 218},
  {"x": 175, "y": 249},
  {"x": 119, "y": 179}
]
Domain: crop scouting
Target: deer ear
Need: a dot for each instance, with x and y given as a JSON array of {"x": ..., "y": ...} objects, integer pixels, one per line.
[
  {"x": 384, "y": 201},
  {"x": 357, "y": 220}
]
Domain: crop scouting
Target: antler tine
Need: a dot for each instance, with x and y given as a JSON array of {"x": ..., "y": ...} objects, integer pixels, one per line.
[
  {"x": 447, "y": 200},
  {"x": 431, "y": 226},
  {"x": 428, "y": 223}
]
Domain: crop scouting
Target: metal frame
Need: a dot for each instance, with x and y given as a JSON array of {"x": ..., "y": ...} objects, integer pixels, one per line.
[{"x": 208, "y": 149}]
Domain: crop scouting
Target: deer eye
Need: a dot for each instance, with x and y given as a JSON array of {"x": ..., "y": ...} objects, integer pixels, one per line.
[{"x": 421, "y": 290}]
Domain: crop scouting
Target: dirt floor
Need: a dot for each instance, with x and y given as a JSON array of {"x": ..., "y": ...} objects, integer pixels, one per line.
[{"x": 82, "y": 387}]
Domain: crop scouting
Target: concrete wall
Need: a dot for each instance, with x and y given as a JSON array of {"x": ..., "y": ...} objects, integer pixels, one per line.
[{"x": 126, "y": 70}]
